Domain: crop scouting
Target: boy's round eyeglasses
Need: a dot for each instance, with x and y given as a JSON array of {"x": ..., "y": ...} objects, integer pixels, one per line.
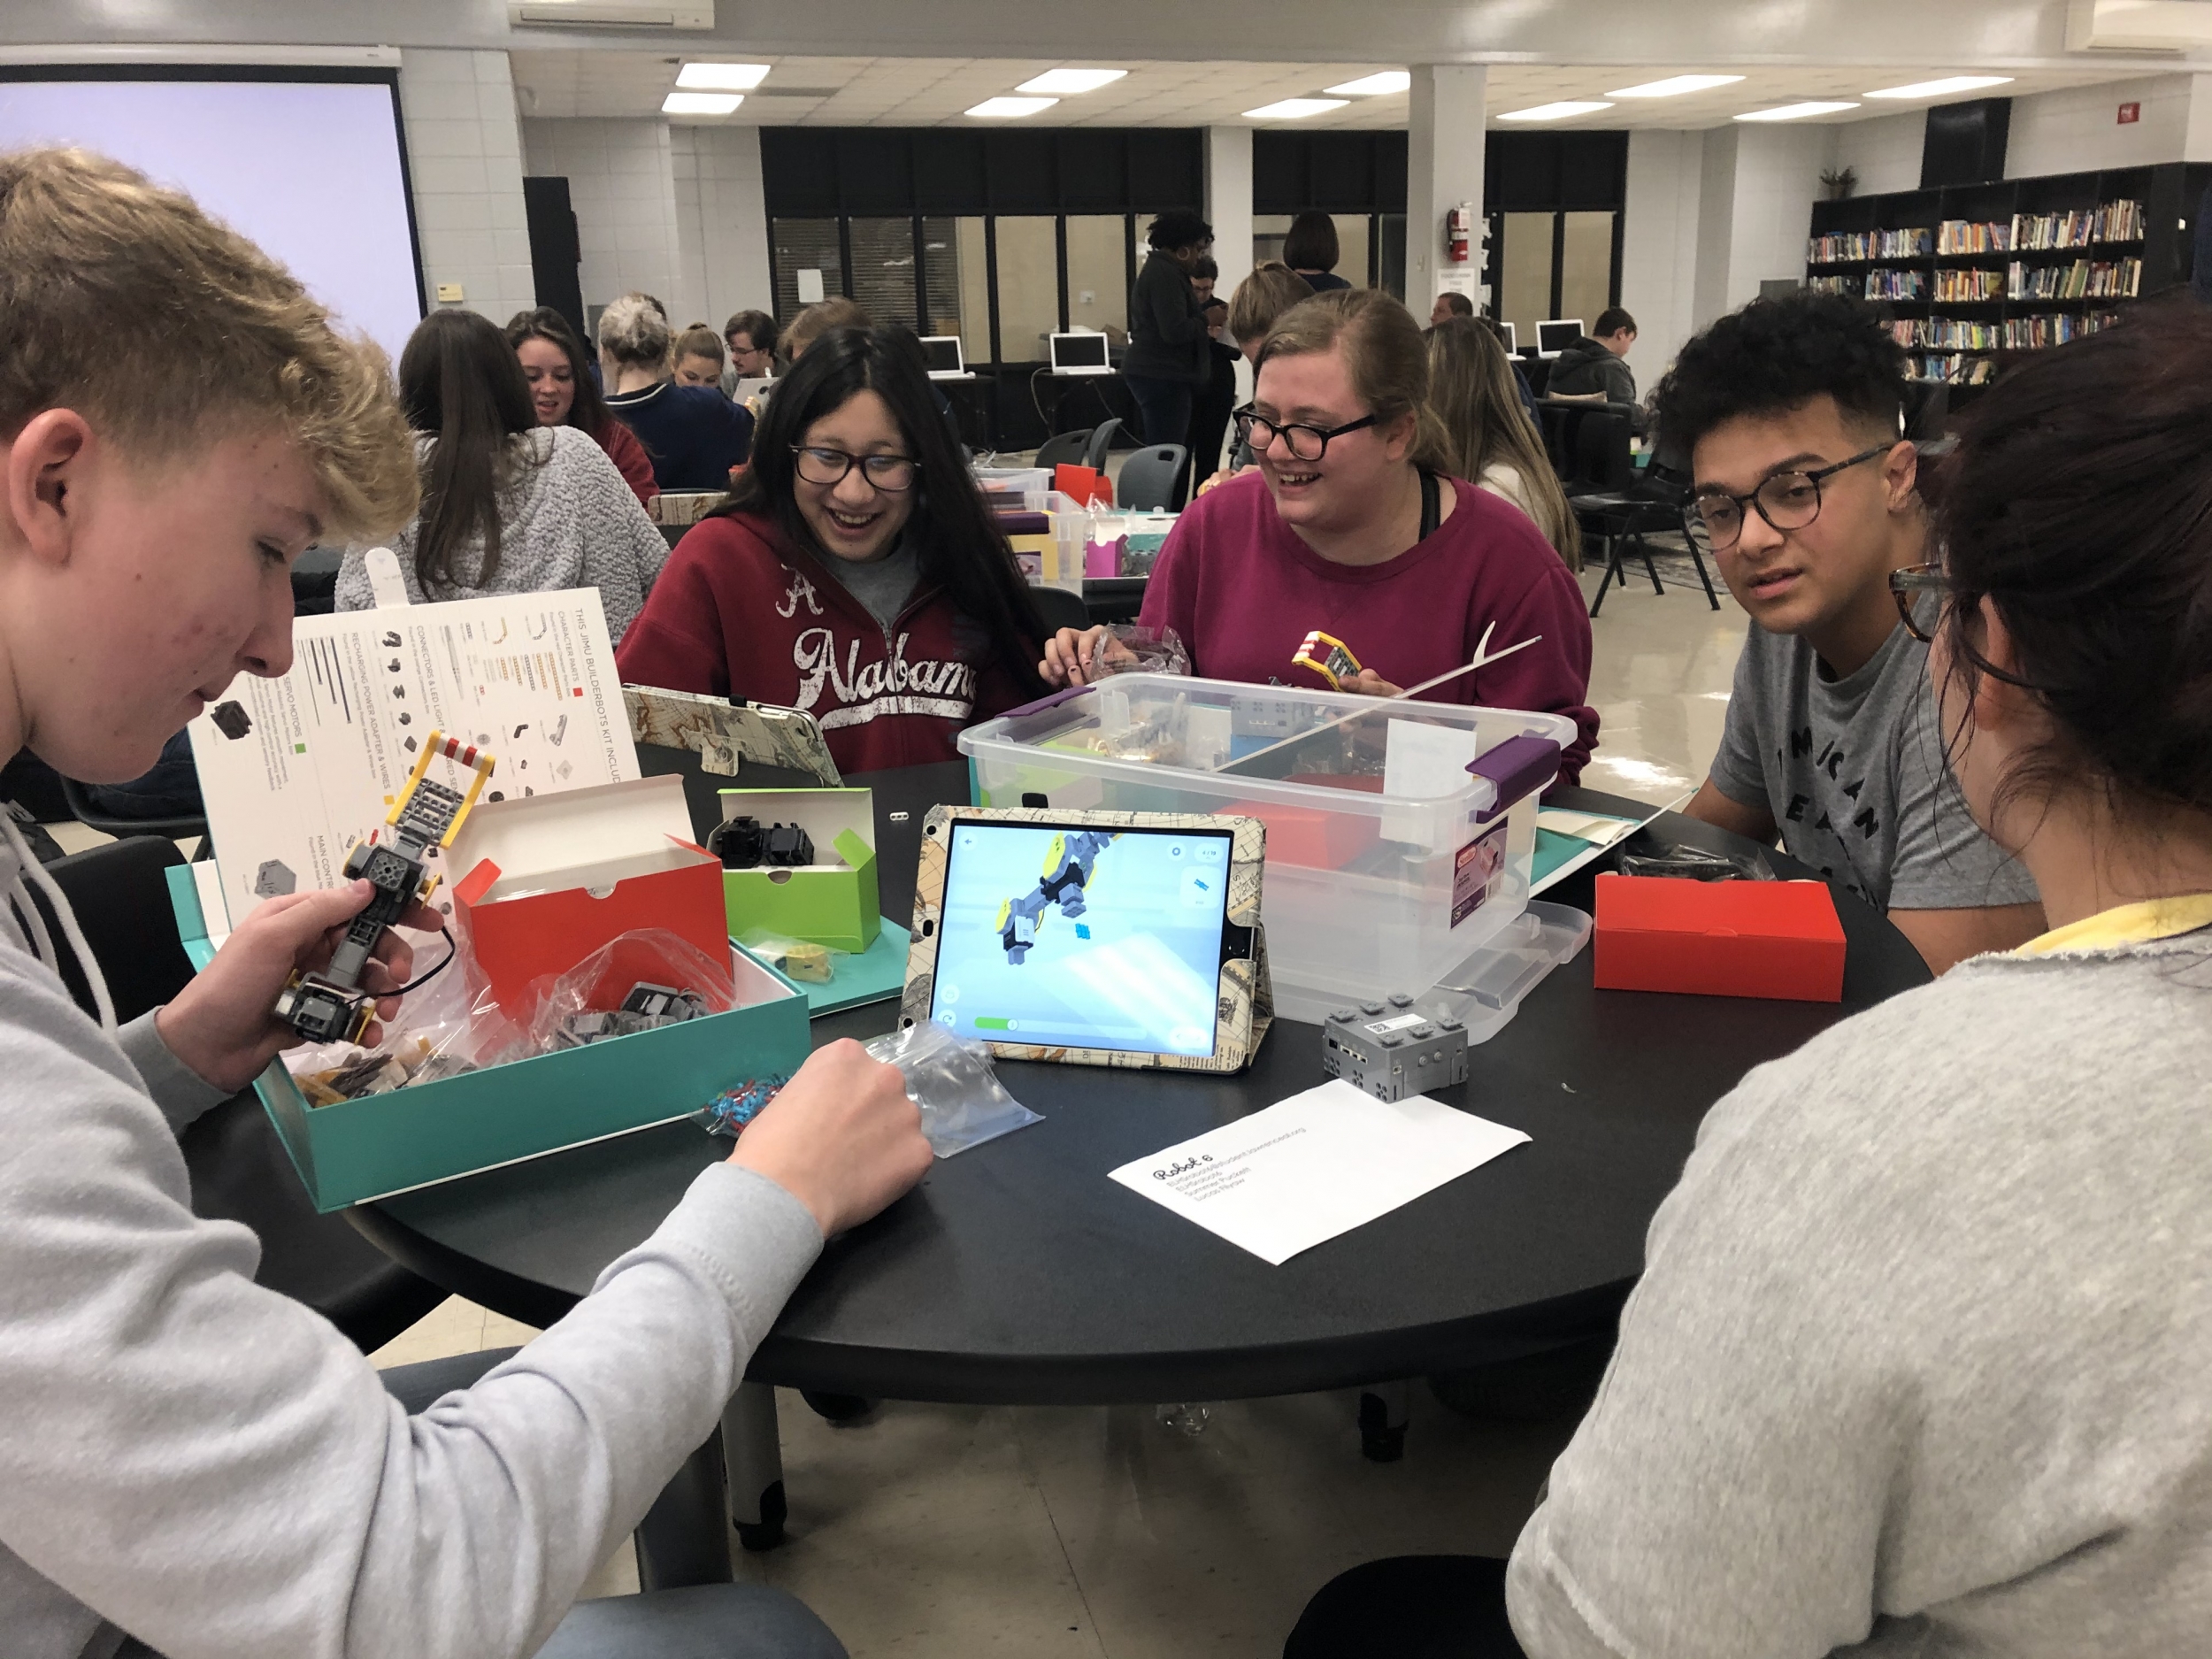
[
  {"x": 1787, "y": 501},
  {"x": 892, "y": 472}
]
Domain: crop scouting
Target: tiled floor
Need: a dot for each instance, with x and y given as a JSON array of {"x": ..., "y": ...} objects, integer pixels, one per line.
[{"x": 929, "y": 1531}]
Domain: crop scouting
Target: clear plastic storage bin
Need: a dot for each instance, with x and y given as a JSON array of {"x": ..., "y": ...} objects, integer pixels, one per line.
[{"x": 1388, "y": 862}]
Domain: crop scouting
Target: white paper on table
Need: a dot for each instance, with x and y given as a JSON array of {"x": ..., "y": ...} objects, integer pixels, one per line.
[
  {"x": 530, "y": 676},
  {"x": 1313, "y": 1166}
]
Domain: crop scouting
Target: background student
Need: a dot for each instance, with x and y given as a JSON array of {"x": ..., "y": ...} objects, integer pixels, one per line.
[
  {"x": 698, "y": 353},
  {"x": 1214, "y": 400},
  {"x": 1168, "y": 358},
  {"x": 1450, "y": 304},
  {"x": 1596, "y": 364},
  {"x": 565, "y": 392},
  {"x": 185, "y": 1455},
  {"x": 857, "y": 572},
  {"x": 1310, "y": 248},
  {"x": 696, "y": 436},
  {"x": 1352, "y": 525},
  {"x": 1268, "y": 290},
  {"x": 509, "y": 505},
  {"x": 816, "y": 320},
  {"x": 1492, "y": 443},
  {"x": 1790, "y": 410},
  {"x": 751, "y": 339},
  {"x": 1916, "y": 1366}
]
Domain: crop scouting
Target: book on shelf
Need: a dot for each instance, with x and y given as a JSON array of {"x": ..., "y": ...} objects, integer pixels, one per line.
[
  {"x": 1959, "y": 235},
  {"x": 2114, "y": 222},
  {"x": 1898, "y": 285},
  {"x": 2085, "y": 279},
  {"x": 1844, "y": 246},
  {"x": 1969, "y": 283}
]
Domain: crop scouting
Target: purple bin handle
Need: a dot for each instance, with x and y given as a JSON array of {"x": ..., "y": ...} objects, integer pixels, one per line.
[
  {"x": 1061, "y": 695},
  {"x": 1515, "y": 767}
]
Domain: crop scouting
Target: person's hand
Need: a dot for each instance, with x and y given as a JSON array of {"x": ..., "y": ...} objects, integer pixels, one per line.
[
  {"x": 1368, "y": 683},
  {"x": 223, "y": 1025},
  {"x": 840, "y": 1137},
  {"x": 1070, "y": 654},
  {"x": 1222, "y": 477}
]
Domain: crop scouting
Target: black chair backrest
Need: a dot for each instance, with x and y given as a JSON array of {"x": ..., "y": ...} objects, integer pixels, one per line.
[
  {"x": 1537, "y": 372},
  {"x": 1066, "y": 449},
  {"x": 119, "y": 893},
  {"x": 1601, "y": 461},
  {"x": 1101, "y": 442},
  {"x": 1149, "y": 478},
  {"x": 1060, "y": 608}
]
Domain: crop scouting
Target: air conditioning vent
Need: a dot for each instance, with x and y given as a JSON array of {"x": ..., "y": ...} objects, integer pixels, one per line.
[
  {"x": 649, "y": 16},
  {"x": 2138, "y": 26}
]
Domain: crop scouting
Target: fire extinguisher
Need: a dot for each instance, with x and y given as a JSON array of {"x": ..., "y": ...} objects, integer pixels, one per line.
[{"x": 1458, "y": 227}]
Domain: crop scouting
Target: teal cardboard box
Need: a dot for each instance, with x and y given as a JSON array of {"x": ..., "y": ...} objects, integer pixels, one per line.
[
  {"x": 833, "y": 902},
  {"x": 357, "y": 1150}
]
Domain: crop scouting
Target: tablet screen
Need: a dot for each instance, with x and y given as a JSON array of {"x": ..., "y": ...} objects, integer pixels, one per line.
[{"x": 1082, "y": 938}]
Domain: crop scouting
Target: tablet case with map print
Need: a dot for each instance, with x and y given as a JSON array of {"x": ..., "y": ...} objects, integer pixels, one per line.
[{"x": 1092, "y": 915}]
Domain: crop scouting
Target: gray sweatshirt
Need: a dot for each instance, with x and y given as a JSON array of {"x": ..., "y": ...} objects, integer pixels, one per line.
[
  {"x": 569, "y": 521},
  {"x": 216, "y": 1469},
  {"x": 1921, "y": 1362}
]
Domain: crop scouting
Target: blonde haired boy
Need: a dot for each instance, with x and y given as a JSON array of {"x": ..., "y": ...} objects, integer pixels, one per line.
[{"x": 185, "y": 1457}]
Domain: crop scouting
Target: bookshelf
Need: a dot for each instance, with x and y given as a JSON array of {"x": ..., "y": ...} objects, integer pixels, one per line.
[{"x": 1969, "y": 271}]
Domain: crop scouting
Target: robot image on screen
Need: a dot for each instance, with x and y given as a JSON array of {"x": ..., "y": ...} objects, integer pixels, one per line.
[{"x": 1098, "y": 938}]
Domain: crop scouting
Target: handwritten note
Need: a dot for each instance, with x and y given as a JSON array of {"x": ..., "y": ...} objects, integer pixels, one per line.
[{"x": 1316, "y": 1166}]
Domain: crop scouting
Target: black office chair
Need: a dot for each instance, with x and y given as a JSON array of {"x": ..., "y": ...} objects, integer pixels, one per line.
[
  {"x": 1151, "y": 480},
  {"x": 168, "y": 829},
  {"x": 1067, "y": 449},
  {"x": 240, "y": 1170},
  {"x": 1103, "y": 436},
  {"x": 1611, "y": 503},
  {"x": 1060, "y": 609},
  {"x": 315, "y": 581}
]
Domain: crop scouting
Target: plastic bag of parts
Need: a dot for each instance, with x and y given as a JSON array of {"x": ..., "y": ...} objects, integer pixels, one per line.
[
  {"x": 799, "y": 959},
  {"x": 1127, "y": 648},
  {"x": 637, "y": 981},
  {"x": 429, "y": 1037},
  {"x": 962, "y": 1099},
  {"x": 952, "y": 1081},
  {"x": 1695, "y": 864}
]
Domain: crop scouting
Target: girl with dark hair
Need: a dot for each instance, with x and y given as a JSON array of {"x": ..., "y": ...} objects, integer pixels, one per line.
[
  {"x": 1916, "y": 1363},
  {"x": 509, "y": 506},
  {"x": 1169, "y": 357},
  {"x": 1310, "y": 249},
  {"x": 565, "y": 392},
  {"x": 855, "y": 572}
]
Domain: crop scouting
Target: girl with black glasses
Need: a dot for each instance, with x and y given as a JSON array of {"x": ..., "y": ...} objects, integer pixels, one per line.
[{"x": 855, "y": 572}]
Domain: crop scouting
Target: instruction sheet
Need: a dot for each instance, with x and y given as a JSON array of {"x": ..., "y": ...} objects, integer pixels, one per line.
[
  {"x": 1316, "y": 1166},
  {"x": 296, "y": 770}
]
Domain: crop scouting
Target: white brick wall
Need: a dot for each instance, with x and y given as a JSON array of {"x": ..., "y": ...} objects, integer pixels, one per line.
[
  {"x": 2078, "y": 130},
  {"x": 621, "y": 182},
  {"x": 465, "y": 157},
  {"x": 721, "y": 221},
  {"x": 1883, "y": 151},
  {"x": 1659, "y": 245}
]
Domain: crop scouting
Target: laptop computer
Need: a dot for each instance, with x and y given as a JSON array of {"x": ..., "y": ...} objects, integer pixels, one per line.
[
  {"x": 943, "y": 352},
  {"x": 1552, "y": 338},
  {"x": 1080, "y": 354},
  {"x": 1511, "y": 347}
]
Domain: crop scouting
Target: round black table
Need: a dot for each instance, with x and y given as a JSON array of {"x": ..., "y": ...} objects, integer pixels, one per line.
[{"x": 1017, "y": 1272}]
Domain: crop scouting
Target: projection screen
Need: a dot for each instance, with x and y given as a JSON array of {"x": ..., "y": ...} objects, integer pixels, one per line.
[{"x": 311, "y": 163}]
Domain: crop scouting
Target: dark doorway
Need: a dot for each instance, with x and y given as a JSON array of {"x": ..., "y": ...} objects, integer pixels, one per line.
[{"x": 556, "y": 254}]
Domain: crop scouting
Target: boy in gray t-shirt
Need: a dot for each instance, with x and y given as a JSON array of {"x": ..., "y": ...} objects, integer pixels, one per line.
[{"x": 1805, "y": 494}]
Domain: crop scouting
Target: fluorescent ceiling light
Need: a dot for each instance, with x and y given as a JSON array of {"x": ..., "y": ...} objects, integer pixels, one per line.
[
  {"x": 1555, "y": 111},
  {"x": 1675, "y": 86},
  {"x": 1937, "y": 89},
  {"x": 702, "y": 102},
  {"x": 1375, "y": 86},
  {"x": 1294, "y": 109},
  {"x": 1795, "y": 111},
  {"x": 1009, "y": 109},
  {"x": 1061, "y": 82},
  {"x": 721, "y": 77}
]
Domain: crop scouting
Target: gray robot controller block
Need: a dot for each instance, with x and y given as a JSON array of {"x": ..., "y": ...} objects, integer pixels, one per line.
[{"x": 1394, "y": 1050}]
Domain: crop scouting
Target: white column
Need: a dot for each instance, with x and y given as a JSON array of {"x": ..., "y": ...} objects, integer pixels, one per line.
[
  {"x": 1659, "y": 244},
  {"x": 464, "y": 159},
  {"x": 1443, "y": 169},
  {"x": 1229, "y": 211}
]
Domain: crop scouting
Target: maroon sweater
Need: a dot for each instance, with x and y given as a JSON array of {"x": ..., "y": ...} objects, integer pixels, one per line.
[
  {"x": 1243, "y": 591},
  {"x": 737, "y": 612}
]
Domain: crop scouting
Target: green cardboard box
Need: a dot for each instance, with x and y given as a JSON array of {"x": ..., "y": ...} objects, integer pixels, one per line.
[
  {"x": 357, "y": 1150},
  {"x": 834, "y": 901}
]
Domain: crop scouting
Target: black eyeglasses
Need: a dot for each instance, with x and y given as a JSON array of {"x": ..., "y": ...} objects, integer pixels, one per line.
[
  {"x": 1788, "y": 501},
  {"x": 1306, "y": 444},
  {"x": 889, "y": 472}
]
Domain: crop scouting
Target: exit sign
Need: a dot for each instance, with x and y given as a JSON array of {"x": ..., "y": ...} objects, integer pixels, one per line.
[{"x": 2130, "y": 114}]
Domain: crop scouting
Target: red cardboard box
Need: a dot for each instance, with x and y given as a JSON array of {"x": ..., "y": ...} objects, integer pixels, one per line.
[
  {"x": 1083, "y": 485},
  {"x": 549, "y": 879},
  {"x": 1767, "y": 939}
]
